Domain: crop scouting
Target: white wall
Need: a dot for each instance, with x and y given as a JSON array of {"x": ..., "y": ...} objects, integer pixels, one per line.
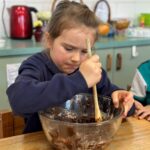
[{"x": 119, "y": 8}]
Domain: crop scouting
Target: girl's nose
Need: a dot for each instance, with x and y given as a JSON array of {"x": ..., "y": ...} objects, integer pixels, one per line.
[{"x": 76, "y": 56}]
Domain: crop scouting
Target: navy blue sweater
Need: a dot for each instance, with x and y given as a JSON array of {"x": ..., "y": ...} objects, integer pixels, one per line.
[{"x": 40, "y": 85}]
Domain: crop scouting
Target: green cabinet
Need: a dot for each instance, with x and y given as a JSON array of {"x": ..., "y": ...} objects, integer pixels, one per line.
[
  {"x": 106, "y": 56},
  {"x": 4, "y": 61},
  {"x": 13, "y": 52},
  {"x": 120, "y": 63}
]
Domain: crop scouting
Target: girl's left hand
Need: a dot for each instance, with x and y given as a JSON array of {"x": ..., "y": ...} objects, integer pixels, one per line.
[{"x": 125, "y": 97}]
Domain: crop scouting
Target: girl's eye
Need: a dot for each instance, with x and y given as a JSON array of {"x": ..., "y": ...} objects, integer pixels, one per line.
[
  {"x": 68, "y": 48},
  {"x": 84, "y": 51}
]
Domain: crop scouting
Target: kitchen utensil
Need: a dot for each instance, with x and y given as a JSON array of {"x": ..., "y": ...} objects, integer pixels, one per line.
[
  {"x": 98, "y": 116},
  {"x": 121, "y": 24},
  {"x": 102, "y": 10},
  {"x": 21, "y": 21},
  {"x": 72, "y": 126}
]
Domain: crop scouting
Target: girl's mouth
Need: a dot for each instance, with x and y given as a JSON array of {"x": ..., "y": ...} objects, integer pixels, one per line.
[{"x": 72, "y": 68}]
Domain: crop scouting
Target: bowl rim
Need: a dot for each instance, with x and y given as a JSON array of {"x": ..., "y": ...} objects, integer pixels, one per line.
[{"x": 40, "y": 113}]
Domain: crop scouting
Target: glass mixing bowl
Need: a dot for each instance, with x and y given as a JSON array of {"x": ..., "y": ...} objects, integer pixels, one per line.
[{"x": 72, "y": 126}]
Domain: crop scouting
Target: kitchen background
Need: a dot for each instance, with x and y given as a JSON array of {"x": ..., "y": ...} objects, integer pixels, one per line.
[
  {"x": 117, "y": 53},
  {"x": 119, "y": 9}
]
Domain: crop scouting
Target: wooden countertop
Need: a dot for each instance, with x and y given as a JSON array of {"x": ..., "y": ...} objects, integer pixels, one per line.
[{"x": 133, "y": 134}]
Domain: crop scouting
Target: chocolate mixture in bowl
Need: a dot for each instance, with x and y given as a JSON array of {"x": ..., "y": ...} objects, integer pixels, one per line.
[
  {"x": 72, "y": 126},
  {"x": 81, "y": 110}
]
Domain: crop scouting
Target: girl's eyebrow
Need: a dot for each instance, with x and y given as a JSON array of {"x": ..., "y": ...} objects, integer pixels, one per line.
[
  {"x": 72, "y": 46},
  {"x": 69, "y": 45}
]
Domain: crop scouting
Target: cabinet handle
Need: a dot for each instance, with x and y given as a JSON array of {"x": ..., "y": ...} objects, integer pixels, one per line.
[
  {"x": 108, "y": 62},
  {"x": 119, "y": 62},
  {"x": 128, "y": 87}
]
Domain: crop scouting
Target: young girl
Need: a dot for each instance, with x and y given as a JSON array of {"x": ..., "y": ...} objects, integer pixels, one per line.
[{"x": 63, "y": 69}]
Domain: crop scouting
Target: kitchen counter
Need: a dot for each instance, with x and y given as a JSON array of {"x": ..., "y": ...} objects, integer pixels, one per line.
[
  {"x": 133, "y": 134},
  {"x": 121, "y": 42},
  {"x": 19, "y": 47},
  {"x": 29, "y": 47}
]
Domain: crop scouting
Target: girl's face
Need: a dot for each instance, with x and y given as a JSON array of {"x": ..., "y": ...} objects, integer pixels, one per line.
[{"x": 69, "y": 50}]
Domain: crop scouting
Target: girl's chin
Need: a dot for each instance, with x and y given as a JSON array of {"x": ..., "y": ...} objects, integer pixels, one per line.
[{"x": 69, "y": 71}]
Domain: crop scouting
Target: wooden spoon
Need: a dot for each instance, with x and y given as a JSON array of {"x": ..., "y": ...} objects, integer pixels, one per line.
[{"x": 98, "y": 115}]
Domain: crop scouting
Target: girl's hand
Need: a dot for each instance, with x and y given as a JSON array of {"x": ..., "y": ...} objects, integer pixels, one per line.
[
  {"x": 141, "y": 111},
  {"x": 125, "y": 97},
  {"x": 91, "y": 70}
]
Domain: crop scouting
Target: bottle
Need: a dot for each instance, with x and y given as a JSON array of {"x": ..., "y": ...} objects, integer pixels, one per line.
[
  {"x": 142, "y": 21},
  {"x": 38, "y": 34}
]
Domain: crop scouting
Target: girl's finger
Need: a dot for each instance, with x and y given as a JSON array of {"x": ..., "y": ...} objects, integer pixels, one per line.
[
  {"x": 115, "y": 100},
  {"x": 128, "y": 96},
  {"x": 126, "y": 109}
]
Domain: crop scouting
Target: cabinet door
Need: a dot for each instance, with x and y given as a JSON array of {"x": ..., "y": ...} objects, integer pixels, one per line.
[
  {"x": 3, "y": 74},
  {"x": 143, "y": 54},
  {"x": 106, "y": 58},
  {"x": 122, "y": 67},
  {"x": 125, "y": 63}
]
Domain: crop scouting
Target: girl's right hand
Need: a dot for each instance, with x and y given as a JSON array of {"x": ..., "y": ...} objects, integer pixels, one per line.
[{"x": 91, "y": 69}]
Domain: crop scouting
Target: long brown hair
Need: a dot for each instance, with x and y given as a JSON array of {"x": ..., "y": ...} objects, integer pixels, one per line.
[{"x": 70, "y": 14}]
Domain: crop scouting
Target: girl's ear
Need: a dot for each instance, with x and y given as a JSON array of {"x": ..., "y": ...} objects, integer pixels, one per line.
[{"x": 48, "y": 40}]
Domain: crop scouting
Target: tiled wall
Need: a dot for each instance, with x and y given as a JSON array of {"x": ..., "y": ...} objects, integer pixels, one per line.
[{"x": 119, "y": 8}]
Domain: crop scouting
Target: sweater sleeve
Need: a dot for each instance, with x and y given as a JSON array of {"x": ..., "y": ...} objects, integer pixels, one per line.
[
  {"x": 105, "y": 87},
  {"x": 28, "y": 94}
]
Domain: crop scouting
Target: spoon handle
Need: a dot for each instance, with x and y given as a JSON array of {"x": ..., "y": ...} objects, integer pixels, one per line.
[{"x": 98, "y": 116}]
